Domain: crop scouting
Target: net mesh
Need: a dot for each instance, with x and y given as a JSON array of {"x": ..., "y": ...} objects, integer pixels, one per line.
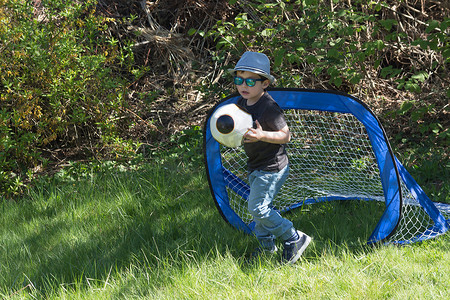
[{"x": 331, "y": 158}]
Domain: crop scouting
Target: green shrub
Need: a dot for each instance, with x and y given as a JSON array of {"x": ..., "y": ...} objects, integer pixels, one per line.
[
  {"x": 58, "y": 84},
  {"x": 344, "y": 47}
]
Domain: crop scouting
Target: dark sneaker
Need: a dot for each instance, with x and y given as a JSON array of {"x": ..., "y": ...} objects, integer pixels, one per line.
[{"x": 293, "y": 250}]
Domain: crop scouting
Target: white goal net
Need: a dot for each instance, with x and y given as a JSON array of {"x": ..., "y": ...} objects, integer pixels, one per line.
[{"x": 331, "y": 158}]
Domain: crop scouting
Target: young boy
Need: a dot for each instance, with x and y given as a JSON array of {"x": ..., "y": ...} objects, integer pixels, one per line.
[{"x": 268, "y": 165}]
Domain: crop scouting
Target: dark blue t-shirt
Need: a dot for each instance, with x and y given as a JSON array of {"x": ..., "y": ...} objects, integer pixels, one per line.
[{"x": 262, "y": 155}]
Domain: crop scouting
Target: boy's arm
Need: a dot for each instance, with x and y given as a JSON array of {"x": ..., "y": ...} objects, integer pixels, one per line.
[{"x": 275, "y": 137}]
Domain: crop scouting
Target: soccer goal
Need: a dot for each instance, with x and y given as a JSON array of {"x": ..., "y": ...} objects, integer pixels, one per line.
[{"x": 338, "y": 151}]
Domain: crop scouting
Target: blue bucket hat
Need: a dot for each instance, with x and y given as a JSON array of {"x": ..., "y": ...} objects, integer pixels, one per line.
[{"x": 254, "y": 62}]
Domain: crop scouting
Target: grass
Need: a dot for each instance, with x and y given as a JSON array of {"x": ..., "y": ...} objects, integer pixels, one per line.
[{"x": 152, "y": 232}]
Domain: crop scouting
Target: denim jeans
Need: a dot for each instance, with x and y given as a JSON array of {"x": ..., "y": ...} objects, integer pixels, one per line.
[{"x": 269, "y": 224}]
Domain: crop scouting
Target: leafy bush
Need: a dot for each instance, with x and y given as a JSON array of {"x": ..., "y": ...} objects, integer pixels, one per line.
[
  {"x": 341, "y": 45},
  {"x": 57, "y": 83}
]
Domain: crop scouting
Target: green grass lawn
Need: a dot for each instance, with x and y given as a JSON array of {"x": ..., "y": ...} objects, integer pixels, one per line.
[{"x": 153, "y": 232}]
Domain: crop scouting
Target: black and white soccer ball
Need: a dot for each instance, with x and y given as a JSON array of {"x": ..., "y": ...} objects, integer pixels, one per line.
[{"x": 229, "y": 123}]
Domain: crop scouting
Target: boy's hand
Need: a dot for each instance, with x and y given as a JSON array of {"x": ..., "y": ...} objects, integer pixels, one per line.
[
  {"x": 275, "y": 137},
  {"x": 254, "y": 135}
]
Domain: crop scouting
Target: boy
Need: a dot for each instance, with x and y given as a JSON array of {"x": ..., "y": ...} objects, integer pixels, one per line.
[{"x": 268, "y": 165}]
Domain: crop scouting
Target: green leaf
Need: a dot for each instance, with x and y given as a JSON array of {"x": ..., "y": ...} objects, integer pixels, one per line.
[
  {"x": 301, "y": 49},
  {"x": 389, "y": 71},
  {"x": 279, "y": 55},
  {"x": 412, "y": 87},
  {"x": 310, "y": 2},
  {"x": 405, "y": 107},
  {"x": 332, "y": 53},
  {"x": 445, "y": 24},
  {"x": 446, "y": 54},
  {"x": 355, "y": 78},
  {"x": 378, "y": 6},
  {"x": 432, "y": 25},
  {"x": 422, "y": 43},
  {"x": 267, "y": 32},
  {"x": 311, "y": 59},
  {"x": 337, "y": 81},
  {"x": 379, "y": 44},
  {"x": 421, "y": 77},
  {"x": 444, "y": 134},
  {"x": 388, "y": 23},
  {"x": 192, "y": 31}
]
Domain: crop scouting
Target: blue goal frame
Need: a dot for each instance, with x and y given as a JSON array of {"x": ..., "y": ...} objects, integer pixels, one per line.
[{"x": 392, "y": 172}]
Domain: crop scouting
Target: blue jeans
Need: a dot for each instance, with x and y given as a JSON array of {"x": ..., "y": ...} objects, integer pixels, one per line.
[{"x": 269, "y": 224}]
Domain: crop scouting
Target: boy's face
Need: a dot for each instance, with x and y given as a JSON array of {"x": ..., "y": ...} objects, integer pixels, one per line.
[{"x": 251, "y": 93}]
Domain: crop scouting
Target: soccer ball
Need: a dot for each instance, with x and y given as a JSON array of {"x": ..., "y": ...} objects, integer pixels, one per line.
[{"x": 229, "y": 123}]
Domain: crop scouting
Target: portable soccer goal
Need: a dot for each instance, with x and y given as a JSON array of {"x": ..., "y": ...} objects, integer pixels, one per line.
[{"x": 338, "y": 151}]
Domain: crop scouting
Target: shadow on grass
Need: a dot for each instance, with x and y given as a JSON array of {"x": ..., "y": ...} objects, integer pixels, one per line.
[
  {"x": 75, "y": 231},
  {"x": 347, "y": 222},
  {"x": 78, "y": 231}
]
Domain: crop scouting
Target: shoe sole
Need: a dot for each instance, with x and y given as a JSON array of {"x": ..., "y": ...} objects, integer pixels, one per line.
[{"x": 301, "y": 250}]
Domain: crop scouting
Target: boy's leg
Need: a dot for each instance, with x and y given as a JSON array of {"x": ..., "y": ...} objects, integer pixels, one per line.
[{"x": 269, "y": 223}]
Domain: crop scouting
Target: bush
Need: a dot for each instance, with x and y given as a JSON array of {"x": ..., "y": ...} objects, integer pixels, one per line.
[
  {"x": 344, "y": 46},
  {"x": 58, "y": 84}
]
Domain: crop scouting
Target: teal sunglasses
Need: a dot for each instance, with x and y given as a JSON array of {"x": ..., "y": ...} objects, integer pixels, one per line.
[{"x": 248, "y": 81}]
